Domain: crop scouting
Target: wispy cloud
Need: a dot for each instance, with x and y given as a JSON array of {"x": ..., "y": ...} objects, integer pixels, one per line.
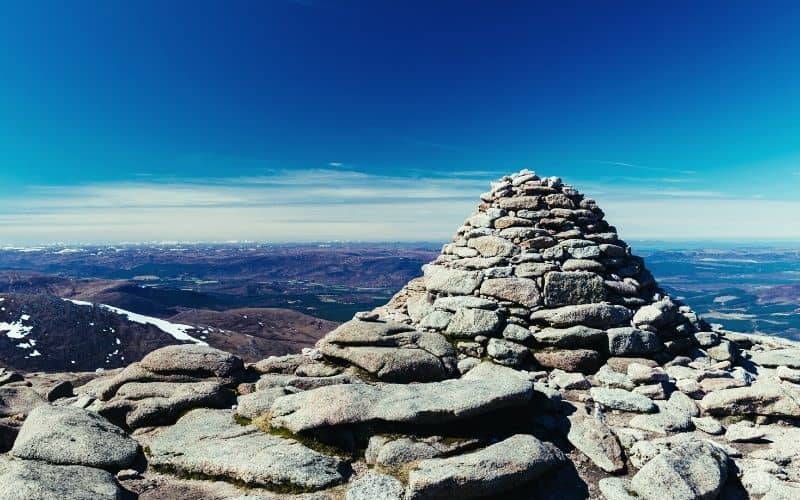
[
  {"x": 643, "y": 167},
  {"x": 342, "y": 204}
]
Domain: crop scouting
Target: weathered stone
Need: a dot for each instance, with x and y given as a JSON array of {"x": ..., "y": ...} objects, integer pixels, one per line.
[
  {"x": 437, "y": 320},
  {"x": 740, "y": 433},
  {"x": 591, "y": 266},
  {"x": 452, "y": 281},
  {"x": 258, "y": 403},
  {"x": 8, "y": 377},
  {"x": 507, "y": 353},
  {"x": 519, "y": 203},
  {"x": 642, "y": 374},
  {"x": 627, "y": 341},
  {"x": 32, "y": 480},
  {"x": 485, "y": 388},
  {"x": 788, "y": 374},
  {"x": 568, "y": 381},
  {"x": 374, "y": 486},
  {"x": 692, "y": 471},
  {"x": 534, "y": 269},
  {"x": 724, "y": 351},
  {"x": 790, "y": 358},
  {"x": 523, "y": 291},
  {"x": 395, "y": 451},
  {"x": 652, "y": 391},
  {"x": 192, "y": 359},
  {"x": 18, "y": 401},
  {"x": 571, "y": 338},
  {"x": 667, "y": 420},
  {"x": 487, "y": 472},
  {"x": 591, "y": 315},
  {"x": 472, "y": 322},
  {"x": 620, "y": 399},
  {"x": 709, "y": 425},
  {"x": 569, "y": 288},
  {"x": 294, "y": 382},
  {"x": 211, "y": 443},
  {"x": 517, "y": 333},
  {"x": 762, "y": 398},
  {"x": 65, "y": 435},
  {"x": 505, "y": 222},
  {"x": 139, "y": 404},
  {"x": 598, "y": 442},
  {"x": 492, "y": 246},
  {"x": 570, "y": 360},
  {"x": 453, "y": 304},
  {"x": 607, "y": 377},
  {"x": 558, "y": 200},
  {"x": 616, "y": 488}
]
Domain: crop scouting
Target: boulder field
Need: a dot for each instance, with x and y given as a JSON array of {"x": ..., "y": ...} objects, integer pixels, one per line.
[{"x": 535, "y": 358}]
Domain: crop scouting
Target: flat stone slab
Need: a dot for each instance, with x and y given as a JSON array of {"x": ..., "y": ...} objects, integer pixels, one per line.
[
  {"x": 591, "y": 315},
  {"x": 192, "y": 359},
  {"x": 32, "y": 480},
  {"x": 19, "y": 401},
  {"x": 789, "y": 358},
  {"x": 620, "y": 399},
  {"x": 210, "y": 443},
  {"x": 762, "y": 398},
  {"x": 485, "y": 388},
  {"x": 66, "y": 435},
  {"x": 486, "y": 472},
  {"x": 598, "y": 442}
]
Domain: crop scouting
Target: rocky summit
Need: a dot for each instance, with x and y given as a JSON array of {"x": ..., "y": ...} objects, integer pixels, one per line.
[{"x": 535, "y": 358}]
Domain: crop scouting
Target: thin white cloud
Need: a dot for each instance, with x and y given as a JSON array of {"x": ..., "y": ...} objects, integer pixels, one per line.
[
  {"x": 327, "y": 204},
  {"x": 643, "y": 167},
  {"x": 335, "y": 164}
]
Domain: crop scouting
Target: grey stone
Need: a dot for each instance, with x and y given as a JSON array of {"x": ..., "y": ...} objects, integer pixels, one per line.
[
  {"x": 724, "y": 351},
  {"x": 583, "y": 265},
  {"x": 374, "y": 486},
  {"x": 211, "y": 443},
  {"x": 258, "y": 403},
  {"x": 588, "y": 252},
  {"x": 598, "y": 442},
  {"x": 277, "y": 380},
  {"x": 65, "y": 435},
  {"x": 507, "y": 353},
  {"x": 571, "y": 360},
  {"x": 643, "y": 374},
  {"x": 627, "y": 341},
  {"x": 607, "y": 377},
  {"x": 452, "y": 281},
  {"x": 492, "y": 246},
  {"x": 571, "y": 338},
  {"x": 667, "y": 420},
  {"x": 19, "y": 401},
  {"x": 472, "y": 322},
  {"x": 497, "y": 468},
  {"x": 568, "y": 381},
  {"x": 32, "y": 480},
  {"x": 192, "y": 359},
  {"x": 454, "y": 303},
  {"x": 485, "y": 388},
  {"x": 438, "y": 320},
  {"x": 788, "y": 374},
  {"x": 508, "y": 221},
  {"x": 519, "y": 203},
  {"x": 161, "y": 403},
  {"x": 394, "y": 451},
  {"x": 569, "y": 288},
  {"x": 534, "y": 269},
  {"x": 790, "y": 358},
  {"x": 740, "y": 433},
  {"x": 762, "y": 398},
  {"x": 517, "y": 333},
  {"x": 620, "y": 399},
  {"x": 591, "y": 315},
  {"x": 522, "y": 291},
  {"x": 656, "y": 314},
  {"x": 681, "y": 402},
  {"x": 692, "y": 471},
  {"x": 616, "y": 488},
  {"x": 709, "y": 425}
]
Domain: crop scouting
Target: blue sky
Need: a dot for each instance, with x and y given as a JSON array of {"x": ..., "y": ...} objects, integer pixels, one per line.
[{"x": 320, "y": 119}]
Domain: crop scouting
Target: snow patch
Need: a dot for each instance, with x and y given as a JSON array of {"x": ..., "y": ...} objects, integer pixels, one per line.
[{"x": 176, "y": 330}]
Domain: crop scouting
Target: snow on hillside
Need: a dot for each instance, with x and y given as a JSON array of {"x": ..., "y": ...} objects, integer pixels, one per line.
[{"x": 178, "y": 331}]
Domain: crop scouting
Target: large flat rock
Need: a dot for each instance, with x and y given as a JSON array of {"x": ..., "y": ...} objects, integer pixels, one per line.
[
  {"x": 19, "y": 401},
  {"x": 210, "y": 443},
  {"x": 762, "y": 398},
  {"x": 591, "y": 315},
  {"x": 32, "y": 480},
  {"x": 195, "y": 360},
  {"x": 67, "y": 435},
  {"x": 393, "y": 352},
  {"x": 486, "y": 388},
  {"x": 484, "y": 473},
  {"x": 692, "y": 471}
]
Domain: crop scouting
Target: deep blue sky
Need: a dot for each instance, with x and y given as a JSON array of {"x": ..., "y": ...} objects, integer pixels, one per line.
[{"x": 130, "y": 100}]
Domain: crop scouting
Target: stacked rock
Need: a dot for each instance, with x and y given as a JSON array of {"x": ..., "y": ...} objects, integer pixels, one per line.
[{"x": 537, "y": 274}]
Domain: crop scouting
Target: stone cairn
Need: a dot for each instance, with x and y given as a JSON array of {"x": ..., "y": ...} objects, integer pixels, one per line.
[{"x": 536, "y": 358}]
